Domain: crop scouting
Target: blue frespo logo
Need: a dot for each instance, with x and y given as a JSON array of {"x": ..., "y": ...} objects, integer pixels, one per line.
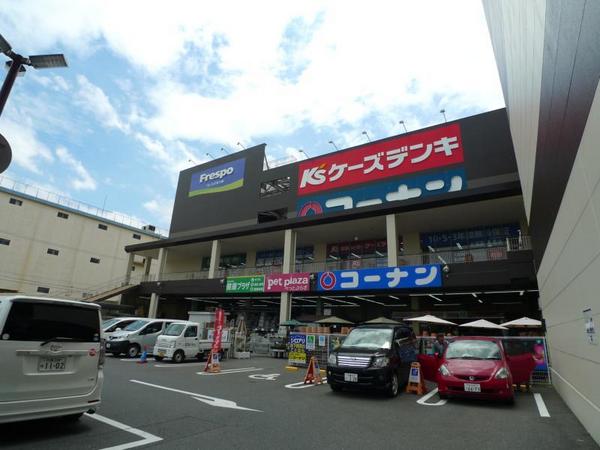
[{"x": 225, "y": 177}]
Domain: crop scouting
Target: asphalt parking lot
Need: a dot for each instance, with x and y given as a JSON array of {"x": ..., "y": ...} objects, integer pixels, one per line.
[{"x": 257, "y": 403}]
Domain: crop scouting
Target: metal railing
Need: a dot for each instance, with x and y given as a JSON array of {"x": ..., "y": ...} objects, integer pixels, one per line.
[
  {"x": 63, "y": 200},
  {"x": 458, "y": 256}
]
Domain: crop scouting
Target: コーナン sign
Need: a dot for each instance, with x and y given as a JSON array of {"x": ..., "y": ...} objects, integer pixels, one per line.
[
  {"x": 293, "y": 282},
  {"x": 438, "y": 147},
  {"x": 225, "y": 177}
]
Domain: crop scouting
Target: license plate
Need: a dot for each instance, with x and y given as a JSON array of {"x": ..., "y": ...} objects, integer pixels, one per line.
[
  {"x": 472, "y": 387},
  {"x": 51, "y": 364},
  {"x": 352, "y": 377},
  {"x": 107, "y": 345},
  {"x": 161, "y": 354}
]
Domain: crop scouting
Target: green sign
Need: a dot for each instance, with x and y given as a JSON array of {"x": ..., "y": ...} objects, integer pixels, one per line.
[{"x": 254, "y": 283}]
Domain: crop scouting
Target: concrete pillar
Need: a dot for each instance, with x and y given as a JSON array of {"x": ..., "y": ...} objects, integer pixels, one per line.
[
  {"x": 320, "y": 252},
  {"x": 215, "y": 258},
  {"x": 289, "y": 251},
  {"x": 285, "y": 309},
  {"x": 154, "y": 297},
  {"x": 289, "y": 265},
  {"x": 130, "y": 257},
  {"x": 251, "y": 258},
  {"x": 147, "y": 266},
  {"x": 153, "y": 309},
  {"x": 392, "y": 240}
]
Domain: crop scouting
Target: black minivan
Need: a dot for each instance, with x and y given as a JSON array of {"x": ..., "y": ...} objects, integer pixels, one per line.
[{"x": 373, "y": 357}]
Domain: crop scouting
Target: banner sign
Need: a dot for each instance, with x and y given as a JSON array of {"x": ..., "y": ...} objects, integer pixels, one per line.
[
  {"x": 438, "y": 147},
  {"x": 297, "y": 349},
  {"x": 219, "y": 319},
  {"x": 254, "y": 283},
  {"x": 225, "y": 177},
  {"x": 425, "y": 276},
  {"x": 391, "y": 191},
  {"x": 293, "y": 282}
]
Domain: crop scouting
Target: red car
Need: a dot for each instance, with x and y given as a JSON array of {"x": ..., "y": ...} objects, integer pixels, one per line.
[{"x": 478, "y": 367}]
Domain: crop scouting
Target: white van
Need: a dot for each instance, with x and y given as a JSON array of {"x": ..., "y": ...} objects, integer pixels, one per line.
[
  {"x": 51, "y": 358},
  {"x": 116, "y": 324},
  {"x": 137, "y": 336},
  {"x": 183, "y": 340}
]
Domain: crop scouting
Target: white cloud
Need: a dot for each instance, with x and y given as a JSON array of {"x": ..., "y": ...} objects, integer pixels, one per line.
[
  {"x": 161, "y": 208},
  {"x": 220, "y": 77},
  {"x": 92, "y": 98},
  {"x": 84, "y": 180},
  {"x": 27, "y": 150}
]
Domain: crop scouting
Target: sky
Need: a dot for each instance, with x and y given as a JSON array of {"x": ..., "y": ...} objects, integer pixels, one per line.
[{"x": 153, "y": 88}]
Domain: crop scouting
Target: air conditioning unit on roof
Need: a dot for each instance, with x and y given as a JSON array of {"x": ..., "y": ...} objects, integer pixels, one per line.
[{"x": 149, "y": 228}]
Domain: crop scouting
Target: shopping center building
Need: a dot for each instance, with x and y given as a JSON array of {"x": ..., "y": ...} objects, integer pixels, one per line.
[{"x": 430, "y": 221}]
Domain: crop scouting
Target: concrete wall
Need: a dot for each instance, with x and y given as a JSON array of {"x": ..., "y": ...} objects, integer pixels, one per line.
[
  {"x": 568, "y": 280},
  {"x": 548, "y": 59},
  {"x": 34, "y": 227}
]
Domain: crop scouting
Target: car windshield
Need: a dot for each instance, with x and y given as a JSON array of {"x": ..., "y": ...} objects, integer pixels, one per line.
[
  {"x": 369, "y": 338},
  {"x": 109, "y": 322},
  {"x": 473, "y": 349},
  {"x": 136, "y": 325},
  {"x": 175, "y": 329}
]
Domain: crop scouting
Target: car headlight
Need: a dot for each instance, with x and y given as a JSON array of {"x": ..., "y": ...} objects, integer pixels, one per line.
[
  {"x": 444, "y": 371},
  {"x": 502, "y": 374},
  {"x": 380, "y": 361},
  {"x": 332, "y": 360}
]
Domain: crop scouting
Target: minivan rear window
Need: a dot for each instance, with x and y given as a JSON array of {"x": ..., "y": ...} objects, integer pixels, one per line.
[{"x": 29, "y": 321}]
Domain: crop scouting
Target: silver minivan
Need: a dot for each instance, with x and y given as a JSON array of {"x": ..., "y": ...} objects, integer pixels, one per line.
[
  {"x": 51, "y": 358},
  {"x": 137, "y": 336}
]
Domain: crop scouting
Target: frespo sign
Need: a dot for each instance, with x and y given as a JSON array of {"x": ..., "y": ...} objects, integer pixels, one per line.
[
  {"x": 225, "y": 177},
  {"x": 438, "y": 147},
  {"x": 293, "y": 282}
]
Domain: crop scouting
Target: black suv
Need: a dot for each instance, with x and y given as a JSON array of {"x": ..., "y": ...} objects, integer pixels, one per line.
[{"x": 373, "y": 356}]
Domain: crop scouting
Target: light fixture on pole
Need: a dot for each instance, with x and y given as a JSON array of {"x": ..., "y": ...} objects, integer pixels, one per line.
[
  {"x": 367, "y": 135},
  {"x": 208, "y": 154},
  {"x": 303, "y": 152},
  {"x": 334, "y": 146},
  {"x": 225, "y": 151},
  {"x": 192, "y": 161},
  {"x": 240, "y": 144},
  {"x": 15, "y": 68},
  {"x": 443, "y": 113},
  {"x": 403, "y": 125}
]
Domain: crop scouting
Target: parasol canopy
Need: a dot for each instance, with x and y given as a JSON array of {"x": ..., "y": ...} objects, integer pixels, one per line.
[
  {"x": 334, "y": 320},
  {"x": 523, "y": 322},
  {"x": 382, "y": 320},
  {"x": 429, "y": 319},
  {"x": 482, "y": 323}
]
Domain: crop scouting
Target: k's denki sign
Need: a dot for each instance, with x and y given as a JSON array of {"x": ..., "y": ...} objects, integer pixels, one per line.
[
  {"x": 224, "y": 177},
  {"x": 438, "y": 147}
]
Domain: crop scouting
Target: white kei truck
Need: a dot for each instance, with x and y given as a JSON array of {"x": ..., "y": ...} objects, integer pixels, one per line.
[{"x": 184, "y": 340}]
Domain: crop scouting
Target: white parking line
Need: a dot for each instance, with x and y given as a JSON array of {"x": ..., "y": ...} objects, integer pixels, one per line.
[
  {"x": 228, "y": 371},
  {"x": 212, "y": 401},
  {"x": 147, "y": 438},
  {"x": 301, "y": 385},
  {"x": 423, "y": 399},
  {"x": 539, "y": 401}
]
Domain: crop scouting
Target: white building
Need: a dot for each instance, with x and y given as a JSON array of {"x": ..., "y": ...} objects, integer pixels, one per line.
[{"x": 52, "y": 245}]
